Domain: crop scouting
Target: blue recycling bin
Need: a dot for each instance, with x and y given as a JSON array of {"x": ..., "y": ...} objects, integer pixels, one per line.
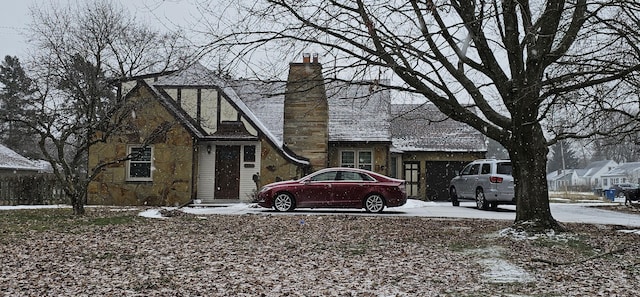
[{"x": 610, "y": 194}]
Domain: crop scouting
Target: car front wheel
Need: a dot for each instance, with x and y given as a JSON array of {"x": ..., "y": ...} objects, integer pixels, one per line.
[
  {"x": 481, "y": 200},
  {"x": 374, "y": 203},
  {"x": 283, "y": 202}
]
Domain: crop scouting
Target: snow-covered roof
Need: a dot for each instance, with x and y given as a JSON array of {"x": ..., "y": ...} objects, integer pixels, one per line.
[
  {"x": 594, "y": 167},
  {"x": 357, "y": 112},
  {"x": 9, "y": 159},
  {"x": 422, "y": 127},
  {"x": 194, "y": 75},
  {"x": 624, "y": 169}
]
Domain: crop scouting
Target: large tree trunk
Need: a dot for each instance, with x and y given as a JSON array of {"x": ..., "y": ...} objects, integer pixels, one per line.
[
  {"x": 529, "y": 158},
  {"x": 77, "y": 201}
]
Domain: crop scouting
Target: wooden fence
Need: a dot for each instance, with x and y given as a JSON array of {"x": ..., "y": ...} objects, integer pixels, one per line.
[{"x": 40, "y": 189}]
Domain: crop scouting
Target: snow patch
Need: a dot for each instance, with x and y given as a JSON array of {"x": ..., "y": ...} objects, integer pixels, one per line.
[
  {"x": 152, "y": 213},
  {"x": 635, "y": 231}
]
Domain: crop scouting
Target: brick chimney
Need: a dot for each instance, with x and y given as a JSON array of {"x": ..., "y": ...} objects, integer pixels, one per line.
[{"x": 306, "y": 112}]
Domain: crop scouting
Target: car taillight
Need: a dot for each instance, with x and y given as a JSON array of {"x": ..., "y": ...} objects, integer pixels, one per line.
[{"x": 495, "y": 179}]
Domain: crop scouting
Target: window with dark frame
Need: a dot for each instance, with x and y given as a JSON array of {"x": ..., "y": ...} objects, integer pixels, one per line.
[
  {"x": 249, "y": 153},
  {"x": 140, "y": 164}
]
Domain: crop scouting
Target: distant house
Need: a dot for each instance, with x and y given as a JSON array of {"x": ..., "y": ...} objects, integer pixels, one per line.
[
  {"x": 564, "y": 180},
  {"x": 195, "y": 136},
  {"x": 588, "y": 178},
  {"x": 623, "y": 173},
  {"x": 591, "y": 175}
]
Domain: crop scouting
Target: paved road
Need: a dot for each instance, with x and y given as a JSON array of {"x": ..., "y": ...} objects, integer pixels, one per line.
[{"x": 563, "y": 212}]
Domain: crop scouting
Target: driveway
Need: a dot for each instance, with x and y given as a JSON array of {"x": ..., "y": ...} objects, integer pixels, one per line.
[{"x": 563, "y": 212}]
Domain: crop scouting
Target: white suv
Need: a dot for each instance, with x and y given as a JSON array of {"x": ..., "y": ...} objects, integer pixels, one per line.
[{"x": 487, "y": 181}]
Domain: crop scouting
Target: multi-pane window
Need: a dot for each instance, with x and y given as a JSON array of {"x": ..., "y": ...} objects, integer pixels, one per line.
[
  {"x": 357, "y": 159},
  {"x": 140, "y": 164}
]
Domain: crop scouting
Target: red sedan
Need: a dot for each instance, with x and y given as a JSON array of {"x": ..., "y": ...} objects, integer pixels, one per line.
[{"x": 335, "y": 188}]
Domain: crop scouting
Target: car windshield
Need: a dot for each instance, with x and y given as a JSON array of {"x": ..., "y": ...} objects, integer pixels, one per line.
[{"x": 504, "y": 168}]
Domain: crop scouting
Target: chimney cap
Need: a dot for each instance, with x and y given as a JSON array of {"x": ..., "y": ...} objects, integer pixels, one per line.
[{"x": 307, "y": 58}]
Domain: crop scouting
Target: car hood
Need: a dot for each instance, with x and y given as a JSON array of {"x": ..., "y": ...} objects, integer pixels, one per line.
[{"x": 282, "y": 183}]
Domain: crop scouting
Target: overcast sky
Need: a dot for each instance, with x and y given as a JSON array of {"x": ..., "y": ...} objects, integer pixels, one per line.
[{"x": 14, "y": 18}]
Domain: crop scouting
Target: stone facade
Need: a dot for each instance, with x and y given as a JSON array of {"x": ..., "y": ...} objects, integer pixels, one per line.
[
  {"x": 306, "y": 112},
  {"x": 172, "y": 165}
]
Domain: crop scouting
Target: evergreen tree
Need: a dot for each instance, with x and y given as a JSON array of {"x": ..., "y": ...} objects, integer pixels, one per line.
[
  {"x": 17, "y": 88},
  {"x": 563, "y": 157}
]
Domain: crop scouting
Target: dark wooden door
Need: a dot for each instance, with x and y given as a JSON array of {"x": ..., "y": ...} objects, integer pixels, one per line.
[{"x": 227, "y": 172}]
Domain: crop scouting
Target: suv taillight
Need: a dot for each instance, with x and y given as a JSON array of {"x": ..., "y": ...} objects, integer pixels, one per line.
[{"x": 495, "y": 179}]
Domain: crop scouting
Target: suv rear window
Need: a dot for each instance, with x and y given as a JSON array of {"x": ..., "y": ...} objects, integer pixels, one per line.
[{"x": 504, "y": 168}]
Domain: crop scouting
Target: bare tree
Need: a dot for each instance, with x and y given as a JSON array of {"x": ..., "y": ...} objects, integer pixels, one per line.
[
  {"x": 538, "y": 71},
  {"x": 80, "y": 51}
]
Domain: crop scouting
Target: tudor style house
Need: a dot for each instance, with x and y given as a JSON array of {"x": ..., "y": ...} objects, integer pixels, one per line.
[{"x": 193, "y": 136}]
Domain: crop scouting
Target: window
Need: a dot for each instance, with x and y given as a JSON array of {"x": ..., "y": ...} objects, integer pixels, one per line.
[
  {"x": 249, "y": 153},
  {"x": 326, "y": 176},
  {"x": 357, "y": 159},
  {"x": 353, "y": 176},
  {"x": 486, "y": 169},
  {"x": 140, "y": 165},
  {"x": 348, "y": 159}
]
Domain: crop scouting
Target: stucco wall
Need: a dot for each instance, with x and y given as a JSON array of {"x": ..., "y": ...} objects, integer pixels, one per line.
[{"x": 172, "y": 159}]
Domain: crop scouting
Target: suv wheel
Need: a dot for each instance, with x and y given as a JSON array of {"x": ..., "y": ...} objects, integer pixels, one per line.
[
  {"x": 453, "y": 195},
  {"x": 481, "y": 201}
]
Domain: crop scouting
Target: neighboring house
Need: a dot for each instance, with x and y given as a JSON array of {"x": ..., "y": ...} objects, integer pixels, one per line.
[
  {"x": 589, "y": 178},
  {"x": 12, "y": 163},
  {"x": 564, "y": 180},
  {"x": 430, "y": 148},
  {"x": 623, "y": 173},
  {"x": 591, "y": 175},
  {"x": 194, "y": 136}
]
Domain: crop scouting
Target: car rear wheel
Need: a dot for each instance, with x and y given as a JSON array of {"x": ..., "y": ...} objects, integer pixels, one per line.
[
  {"x": 283, "y": 202},
  {"x": 481, "y": 200},
  {"x": 454, "y": 197},
  {"x": 374, "y": 203}
]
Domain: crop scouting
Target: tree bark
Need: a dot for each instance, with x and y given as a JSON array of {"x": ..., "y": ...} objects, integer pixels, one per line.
[
  {"x": 77, "y": 201},
  {"x": 528, "y": 154}
]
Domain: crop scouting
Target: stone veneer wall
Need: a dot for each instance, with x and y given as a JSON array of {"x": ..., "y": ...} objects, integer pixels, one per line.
[
  {"x": 306, "y": 113},
  {"x": 173, "y": 156}
]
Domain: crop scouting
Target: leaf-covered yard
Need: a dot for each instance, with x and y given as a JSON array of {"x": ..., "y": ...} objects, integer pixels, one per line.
[{"x": 115, "y": 252}]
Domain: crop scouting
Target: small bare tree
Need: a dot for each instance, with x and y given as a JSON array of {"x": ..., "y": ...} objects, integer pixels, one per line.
[
  {"x": 79, "y": 51},
  {"x": 538, "y": 71}
]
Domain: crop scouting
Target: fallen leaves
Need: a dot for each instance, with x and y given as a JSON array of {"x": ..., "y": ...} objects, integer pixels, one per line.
[{"x": 301, "y": 255}]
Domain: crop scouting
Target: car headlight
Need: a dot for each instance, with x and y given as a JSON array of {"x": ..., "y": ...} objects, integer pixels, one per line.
[{"x": 264, "y": 189}]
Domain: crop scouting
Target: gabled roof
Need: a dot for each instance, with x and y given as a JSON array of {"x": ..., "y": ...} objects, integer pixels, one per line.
[
  {"x": 595, "y": 167},
  {"x": 422, "y": 127},
  {"x": 201, "y": 77},
  {"x": 196, "y": 75},
  {"x": 624, "y": 169},
  {"x": 561, "y": 174},
  {"x": 10, "y": 160}
]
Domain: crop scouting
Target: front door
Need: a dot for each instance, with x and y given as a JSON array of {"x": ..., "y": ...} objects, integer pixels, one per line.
[{"x": 227, "y": 178}]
